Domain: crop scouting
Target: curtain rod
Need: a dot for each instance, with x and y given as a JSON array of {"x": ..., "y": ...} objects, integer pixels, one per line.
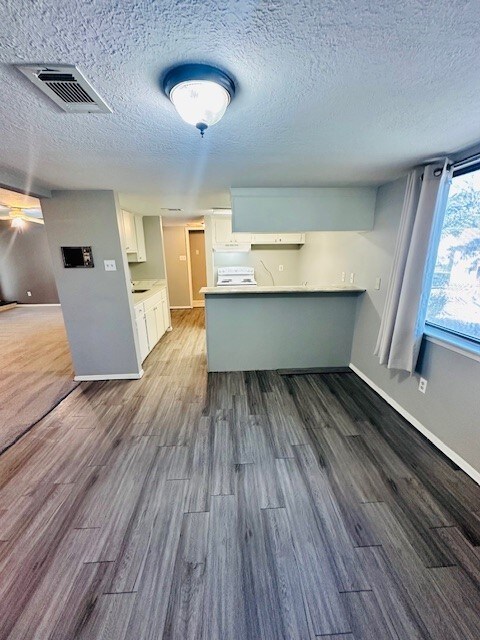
[{"x": 468, "y": 160}]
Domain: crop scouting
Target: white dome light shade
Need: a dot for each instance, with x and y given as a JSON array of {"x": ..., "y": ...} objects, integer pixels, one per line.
[
  {"x": 200, "y": 93},
  {"x": 200, "y": 101}
]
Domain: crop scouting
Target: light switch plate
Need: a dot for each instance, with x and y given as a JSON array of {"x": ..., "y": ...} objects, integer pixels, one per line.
[{"x": 110, "y": 265}]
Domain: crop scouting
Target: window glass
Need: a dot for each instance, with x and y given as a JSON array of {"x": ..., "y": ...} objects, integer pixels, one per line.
[{"x": 454, "y": 303}]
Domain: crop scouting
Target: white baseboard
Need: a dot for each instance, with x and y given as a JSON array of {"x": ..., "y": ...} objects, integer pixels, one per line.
[
  {"x": 111, "y": 376},
  {"x": 188, "y": 307},
  {"x": 27, "y": 304},
  {"x": 463, "y": 464}
]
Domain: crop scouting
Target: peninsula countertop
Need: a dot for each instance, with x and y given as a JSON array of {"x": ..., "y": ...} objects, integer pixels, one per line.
[{"x": 294, "y": 289}]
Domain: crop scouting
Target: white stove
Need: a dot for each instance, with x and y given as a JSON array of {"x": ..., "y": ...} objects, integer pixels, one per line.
[{"x": 235, "y": 276}]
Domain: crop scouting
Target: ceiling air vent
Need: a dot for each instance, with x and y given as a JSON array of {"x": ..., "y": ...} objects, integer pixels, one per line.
[{"x": 66, "y": 86}]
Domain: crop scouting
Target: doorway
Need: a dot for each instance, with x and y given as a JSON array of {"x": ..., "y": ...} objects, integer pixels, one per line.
[{"x": 197, "y": 265}]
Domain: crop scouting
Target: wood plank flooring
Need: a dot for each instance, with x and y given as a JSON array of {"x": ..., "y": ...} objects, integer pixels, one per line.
[
  {"x": 236, "y": 506},
  {"x": 35, "y": 367}
]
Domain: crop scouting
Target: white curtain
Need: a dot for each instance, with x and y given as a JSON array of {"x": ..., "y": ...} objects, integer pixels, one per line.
[{"x": 403, "y": 319}]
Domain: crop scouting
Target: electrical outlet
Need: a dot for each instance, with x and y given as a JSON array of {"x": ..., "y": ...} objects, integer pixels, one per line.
[
  {"x": 378, "y": 282},
  {"x": 182, "y": 258},
  {"x": 422, "y": 385},
  {"x": 110, "y": 265},
  {"x": 344, "y": 276},
  {"x": 352, "y": 278},
  {"x": 280, "y": 267},
  {"x": 29, "y": 294}
]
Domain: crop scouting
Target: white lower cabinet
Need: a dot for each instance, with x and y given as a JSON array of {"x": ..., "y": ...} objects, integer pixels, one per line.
[
  {"x": 142, "y": 337},
  {"x": 166, "y": 315},
  {"x": 159, "y": 319},
  {"x": 152, "y": 320}
]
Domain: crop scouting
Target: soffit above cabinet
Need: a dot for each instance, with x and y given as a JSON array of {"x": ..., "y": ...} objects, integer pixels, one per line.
[{"x": 267, "y": 210}]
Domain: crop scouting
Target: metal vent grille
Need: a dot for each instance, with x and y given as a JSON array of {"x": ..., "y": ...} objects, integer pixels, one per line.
[{"x": 67, "y": 87}]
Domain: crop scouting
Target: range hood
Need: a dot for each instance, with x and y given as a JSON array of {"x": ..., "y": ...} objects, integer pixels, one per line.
[{"x": 232, "y": 247}]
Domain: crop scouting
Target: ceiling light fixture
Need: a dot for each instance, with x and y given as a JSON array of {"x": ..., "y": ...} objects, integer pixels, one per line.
[
  {"x": 199, "y": 93},
  {"x": 17, "y": 223}
]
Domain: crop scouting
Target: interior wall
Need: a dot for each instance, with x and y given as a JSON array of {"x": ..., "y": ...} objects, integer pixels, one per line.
[
  {"x": 272, "y": 258},
  {"x": 197, "y": 263},
  {"x": 449, "y": 408},
  {"x": 26, "y": 265},
  {"x": 154, "y": 267},
  {"x": 325, "y": 255},
  {"x": 177, "y": 268},
  {"x": 97, "y": 304}
]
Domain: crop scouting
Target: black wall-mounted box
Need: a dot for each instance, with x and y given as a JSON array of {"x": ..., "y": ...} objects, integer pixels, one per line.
[{"x": 77, "y": 257}]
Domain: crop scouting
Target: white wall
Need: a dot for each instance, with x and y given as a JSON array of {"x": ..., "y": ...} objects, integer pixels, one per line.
[
  {"x": 326, "y": 255},
  {"x": 271, "y": 257}
]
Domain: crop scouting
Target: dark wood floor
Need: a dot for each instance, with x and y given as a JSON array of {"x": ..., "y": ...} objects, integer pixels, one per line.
[{"x": 248, "y": 506}]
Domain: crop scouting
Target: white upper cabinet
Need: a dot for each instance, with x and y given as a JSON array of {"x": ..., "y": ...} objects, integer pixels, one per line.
[
  {"x": 223, "y": 235},
  {"x": 278, "y": 238},
  {"x": 134, "y": 237},
  {"x": 222, "y": 230},
  {"x": 129, "y": 232},
  {"x": 140, "y": 234}
]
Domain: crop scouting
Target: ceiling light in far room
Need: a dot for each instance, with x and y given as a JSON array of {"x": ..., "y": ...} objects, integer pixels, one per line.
[
  {"x": 17, "y": 223},
  {"x": 199, "y": 93}
]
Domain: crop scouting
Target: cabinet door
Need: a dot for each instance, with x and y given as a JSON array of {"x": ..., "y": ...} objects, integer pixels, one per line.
[
  {"x": 264, "y": 238},
  {"x": 151, "y": 323},
  {"x": 140, "y": 239},
  {"x": 129, "y": 231},
  {"x": 243, "y": 237},
  {"x": 142, "y": 337},
  {"x": 291, "y": 238},
  {"x": 161, "y": 328},
  {"x": 223, "y": 230},
  {"x": 166, "y": 316}
]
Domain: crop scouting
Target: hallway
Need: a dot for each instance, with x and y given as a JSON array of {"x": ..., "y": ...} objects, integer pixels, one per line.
[{"x": 234, "y": 506}]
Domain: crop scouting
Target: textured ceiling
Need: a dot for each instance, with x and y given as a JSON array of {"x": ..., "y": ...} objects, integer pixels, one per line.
[{"x": 332, "y": 92}]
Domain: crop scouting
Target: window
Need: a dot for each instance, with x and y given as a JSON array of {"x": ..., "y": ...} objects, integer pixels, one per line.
[{"x": 454, "y": 303}]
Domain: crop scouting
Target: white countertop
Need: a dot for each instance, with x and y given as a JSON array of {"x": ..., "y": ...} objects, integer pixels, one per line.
[
  {"x": 283, "y": 289},
  {"x": 153, "y": 288}
]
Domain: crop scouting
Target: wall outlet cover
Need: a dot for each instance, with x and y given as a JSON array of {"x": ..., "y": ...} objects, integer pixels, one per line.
[
  {"x": 352, "y": 278},
  {"x": 280, "y": 267},
  {"x": 422, "y": 385},
  {"x": 110, "y": 265},
  {"x": 29, "y": 294},
  {"x": 182, "y": 258},
  {"x": 378, "y": 283}
]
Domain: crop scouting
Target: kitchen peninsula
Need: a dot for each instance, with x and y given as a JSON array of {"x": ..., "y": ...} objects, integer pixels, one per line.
[{"x": 287, "y": 327}]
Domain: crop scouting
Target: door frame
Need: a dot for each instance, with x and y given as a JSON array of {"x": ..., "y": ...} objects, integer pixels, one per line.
[{"x": 193, "y": 303}]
